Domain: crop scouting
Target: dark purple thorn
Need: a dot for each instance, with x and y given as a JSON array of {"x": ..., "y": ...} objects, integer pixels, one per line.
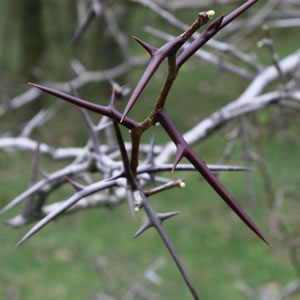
[
  {"x": 218, "y": 187},
  {"x": 151, "y": 68},
  {"x": 103, "y": 110},
  {"x": 72, "y": 99},
  {"x": 150, "y": 49},
  {"x": 179, "y": 155},
  {"x": 177, "y": 138},
  {"x": 157, "y": 57}
]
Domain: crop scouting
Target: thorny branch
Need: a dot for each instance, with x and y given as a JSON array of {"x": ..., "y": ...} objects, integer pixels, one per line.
[{"x": 111, "y": 159}]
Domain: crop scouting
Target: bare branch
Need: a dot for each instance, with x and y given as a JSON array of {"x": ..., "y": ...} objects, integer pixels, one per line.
[
  {"x": 93, "y": 11},
  {"x": 91, "y": 189},
  {"x": 49, "y": 182}
]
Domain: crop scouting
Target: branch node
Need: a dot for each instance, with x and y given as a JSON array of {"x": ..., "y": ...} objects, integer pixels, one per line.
[{"x": 161, "y": 216}]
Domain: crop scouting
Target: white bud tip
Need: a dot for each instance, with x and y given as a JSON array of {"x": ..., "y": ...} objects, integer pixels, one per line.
[
  {"x": 265, "y": 27},
  {"x": 136, "y": 209},
  {"x": 157, "y": 124},
  {"x": 116, "y": 86},
  {"x": 260, "y": 44},
  {"x": 129, "y": 131},
  {"x": 182, "y": 184},
  {"x": 210, "y": 13}
]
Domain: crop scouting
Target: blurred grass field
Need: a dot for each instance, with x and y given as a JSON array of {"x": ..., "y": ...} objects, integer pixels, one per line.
[{"x": 216, "y": 247}]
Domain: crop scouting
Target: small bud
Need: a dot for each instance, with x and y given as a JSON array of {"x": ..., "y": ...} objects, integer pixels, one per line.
[
  {"x": 210, "y": 13},
  {"x": 182, "y": 184},
  {"x": 265, "y": 28},
  {"x": 116, "y": 86},
  {"x": 157, "y": 124},
  {"x": 260, "y": 44},
  {"x": 136, "y": 209},
  {"x": 129, "y": 130}
]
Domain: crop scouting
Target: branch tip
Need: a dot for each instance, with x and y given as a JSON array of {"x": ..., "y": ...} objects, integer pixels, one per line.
[
  {"x": 182, "y": 184},
  {"x": 20, "y": 242},
  {"x": 210, "y": 13}
]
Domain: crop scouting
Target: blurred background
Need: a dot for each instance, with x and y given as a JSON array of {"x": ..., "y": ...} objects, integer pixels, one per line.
[{"x": 92, "y": 254}]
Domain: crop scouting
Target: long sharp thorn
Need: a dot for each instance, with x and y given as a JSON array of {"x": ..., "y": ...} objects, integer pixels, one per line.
[
  {"x": 218, "y": 187},
  {"x": 103, "y": 110},
  {"x": 146, "y": 226},
  {"x": 179, "y": 155},
  {"x": 161, "y": 216},
  {"x": 203, "y": 169},
  {"x": 22, "y": 197},
  {"x": 165, "y": 216},
  {"x": 151, "y": 68},
  {"x": 62, "y": 208},
  {"x": 48, "y": 218},
  {"x": 72, "y": 99},
  {"x": 43, "y": 223},
  {"x": 150, "y": 49},
  {"x": 157, "y": 57}
]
